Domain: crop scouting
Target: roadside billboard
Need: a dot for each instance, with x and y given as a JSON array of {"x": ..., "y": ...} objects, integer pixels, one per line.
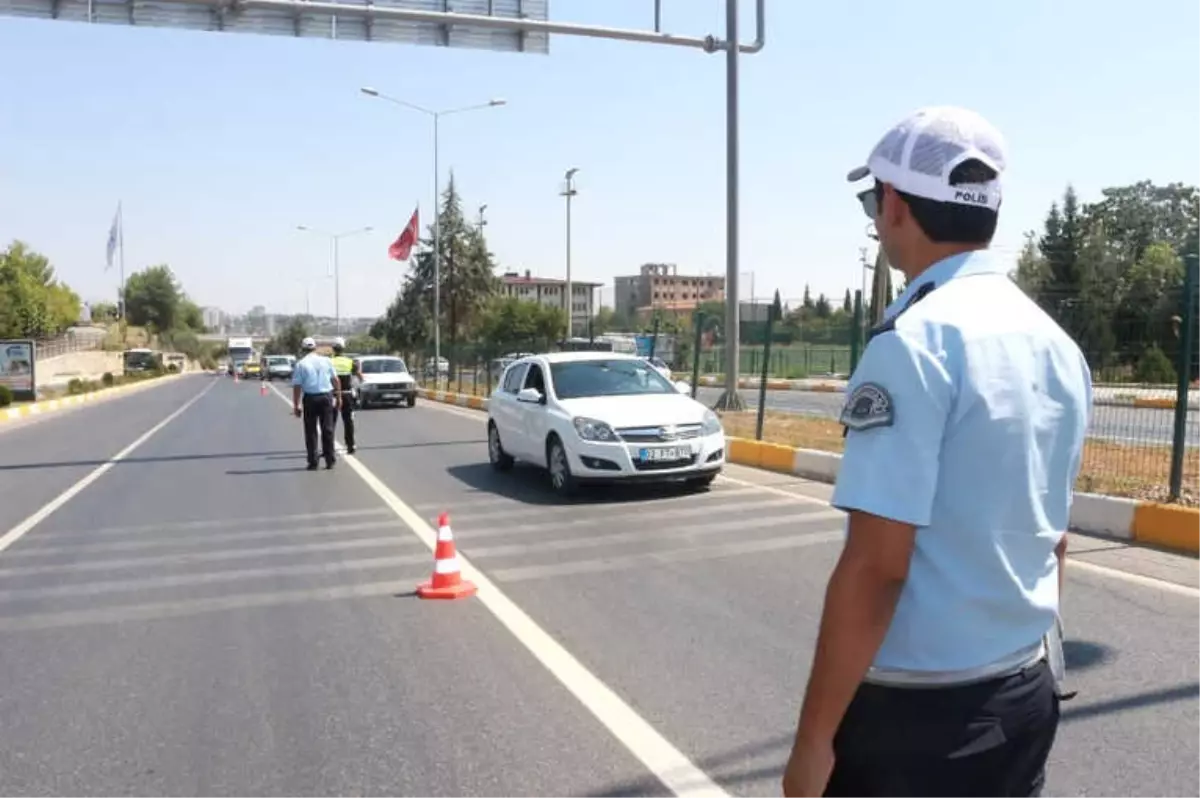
[{"x": 17, "y": 369}]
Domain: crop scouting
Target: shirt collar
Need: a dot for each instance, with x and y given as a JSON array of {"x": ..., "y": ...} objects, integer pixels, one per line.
[{"x": 978, "y": 261}]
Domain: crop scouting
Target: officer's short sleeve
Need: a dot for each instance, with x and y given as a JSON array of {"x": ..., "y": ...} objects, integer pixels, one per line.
[
  {"x": 897, "y": 405},
  {"x": 298, "y": 375}
]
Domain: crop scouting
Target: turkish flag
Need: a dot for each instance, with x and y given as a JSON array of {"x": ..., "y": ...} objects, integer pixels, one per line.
[{"x": 401, "y": 248}]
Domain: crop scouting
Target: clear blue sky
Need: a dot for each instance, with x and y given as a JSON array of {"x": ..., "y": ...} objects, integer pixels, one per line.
[{"x": 220, "y": 144}]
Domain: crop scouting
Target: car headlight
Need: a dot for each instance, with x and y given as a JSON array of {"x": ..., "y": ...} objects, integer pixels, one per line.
[
  {"x": 711, "y": 425},
  {"x": 592, "y": 430}
]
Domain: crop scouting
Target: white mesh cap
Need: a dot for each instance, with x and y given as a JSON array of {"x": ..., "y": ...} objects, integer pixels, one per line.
[
  {"x": 308, "y": 343},
  {"x": 918, "y": 154}
]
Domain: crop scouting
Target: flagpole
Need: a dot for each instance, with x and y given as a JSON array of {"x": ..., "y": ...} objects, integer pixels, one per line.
[{"x": 121, "y": 258}]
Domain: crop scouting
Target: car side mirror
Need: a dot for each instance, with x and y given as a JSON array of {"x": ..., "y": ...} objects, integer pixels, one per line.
[
  {"x": 530, "y": 396},
  {"x": 683, "y": 387}
]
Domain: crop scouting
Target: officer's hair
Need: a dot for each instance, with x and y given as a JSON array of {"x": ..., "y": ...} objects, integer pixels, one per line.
[{"x": 951, "y": 222}]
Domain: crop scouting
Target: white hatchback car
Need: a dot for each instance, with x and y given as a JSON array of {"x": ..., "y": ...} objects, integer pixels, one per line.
[{"x": 601, "y": 417}]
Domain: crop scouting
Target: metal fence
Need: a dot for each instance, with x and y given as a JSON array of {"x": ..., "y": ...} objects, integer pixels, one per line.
[
  {"x": 81, "y": 339},
  {"x": 1144, "y": 436}
]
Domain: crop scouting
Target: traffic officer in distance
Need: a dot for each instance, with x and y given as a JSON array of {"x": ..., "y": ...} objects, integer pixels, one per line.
[
  {"x": 316, "y": 394},
  {"x": 344, "y": 368},
  {"x": 965, "y": 426}
]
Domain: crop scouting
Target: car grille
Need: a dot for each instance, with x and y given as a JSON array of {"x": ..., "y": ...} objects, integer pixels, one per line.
[
  {"x": 663, "y": 434},
  {"x": 390, "y": 386}
]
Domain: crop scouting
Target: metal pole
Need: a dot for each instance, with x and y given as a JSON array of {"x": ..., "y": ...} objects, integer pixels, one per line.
[
  {"x": 121, "y": 256},
  {"x": 731, "y": 399},
  {"x": 699, "y": 322},
  {"x": 856, "y": 335},
  {"x": 766, "y": 368},
  {"x": 451, "y": 18},
  {"x": 1184, "y": 367},
  {"x": 337, "y": 291},
  {"x": 570, "y": 303},
  {"x": 437, "y": 260}
]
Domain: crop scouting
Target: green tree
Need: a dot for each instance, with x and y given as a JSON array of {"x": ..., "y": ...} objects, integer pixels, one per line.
[
  {"x": 808, "y": 305},
  {"x": 407, "y": 324},
  {"x": 822, "y": 308},
  {"x": 507, "y": 324},
  {"x": 104, "y": 312},
  {"x": 153, "y": 298},
  {"x": 367, "y": 345},
  {"x": 467, "y": 270},
  {"x": 1136, "y": 217},
  {"x": 190, "y": 316},
  {"x": 604, "y": 321},
  {"x": 32, "y": 302},
  {"x": 287, "y": 340},
  {"x": 847, "y": 303}
]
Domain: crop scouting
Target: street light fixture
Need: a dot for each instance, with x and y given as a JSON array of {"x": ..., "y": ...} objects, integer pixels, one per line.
[
  {"x": 568, "y": 192},
  {"x": 334, "y": 238},
  {"x": 436, "y": 116}
]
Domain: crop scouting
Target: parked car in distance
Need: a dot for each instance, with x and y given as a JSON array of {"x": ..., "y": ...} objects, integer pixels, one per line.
[
  {"x": 384, "y": 380},
  {"x": 278, "y": 367},
  {"x": 601, "y": 417}
]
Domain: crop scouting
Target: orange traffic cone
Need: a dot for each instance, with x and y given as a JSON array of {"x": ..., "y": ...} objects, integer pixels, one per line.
[
  {"x": 447, "y": 582},
  {"x": 235, "y": 375},
  {"x": 262, "y": 389}
]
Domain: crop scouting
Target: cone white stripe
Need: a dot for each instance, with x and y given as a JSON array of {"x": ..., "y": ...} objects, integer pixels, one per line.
[
  {"x": 444, "y": 533},
  {"x": 447, "y": 566}
]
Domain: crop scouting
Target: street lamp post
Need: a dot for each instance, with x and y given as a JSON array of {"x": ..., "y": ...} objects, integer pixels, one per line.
[
  {"x": 437, "y": 215},
  {"x": 334, "y": 238},
  {"x": 482, "y": 220},
  {"x": 569, "y": 192}
]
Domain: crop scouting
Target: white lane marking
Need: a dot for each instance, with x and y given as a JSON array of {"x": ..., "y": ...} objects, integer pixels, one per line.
[
  {"x": 799, "y": 497},
  {"x": 1125, "y": 576},
  {"x": 17, "y": 532},
  {"x": 1132, "y": 578},
  {"x": 660, "y": 757},
  {"x": 184, "y": 526}
]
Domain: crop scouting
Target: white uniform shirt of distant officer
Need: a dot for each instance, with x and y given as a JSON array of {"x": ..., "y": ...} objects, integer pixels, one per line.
[
  {"x": 314, "y": 373},
  {"x": 964, "y": 372}
]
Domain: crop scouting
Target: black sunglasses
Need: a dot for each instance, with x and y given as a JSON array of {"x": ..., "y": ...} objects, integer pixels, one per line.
[{"x": 872, "y": 200}]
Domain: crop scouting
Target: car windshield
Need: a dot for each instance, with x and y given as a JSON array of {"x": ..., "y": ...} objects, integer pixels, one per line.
[
  {"x": 391, "y": 365},
  {"x": 277, "y": 361},
  {"x": 573, "y": 380}
]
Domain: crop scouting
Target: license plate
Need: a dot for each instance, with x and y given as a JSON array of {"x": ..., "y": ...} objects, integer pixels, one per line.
[
  {"x": 664, "y": 454},
  {"x": 391, "y": 396}
]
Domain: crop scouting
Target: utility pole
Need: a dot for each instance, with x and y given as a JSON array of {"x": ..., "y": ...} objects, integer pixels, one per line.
[
  {"x": 482, "y": 221},
  {"x": 568, "y": 192}
]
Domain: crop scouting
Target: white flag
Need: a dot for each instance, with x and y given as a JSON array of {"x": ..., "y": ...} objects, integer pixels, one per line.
[{"x": 114, "y": 235}]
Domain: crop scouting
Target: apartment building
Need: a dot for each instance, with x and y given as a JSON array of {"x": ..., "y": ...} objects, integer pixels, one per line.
[
  {"x": 660, "y": 286},
  {"x": 552, "y": 293}
]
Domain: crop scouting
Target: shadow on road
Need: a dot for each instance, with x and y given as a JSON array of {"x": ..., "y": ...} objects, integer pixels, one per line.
[
  {"x": 531, "y": 485},
  {"x": 179, "y": 458},
  {"x": 1166, "y": 695}
]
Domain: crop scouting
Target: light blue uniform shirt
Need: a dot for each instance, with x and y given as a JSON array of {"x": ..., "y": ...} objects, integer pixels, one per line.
[
  {"x": 967, "y": 419},
  {"x": 314, "y": 374}
]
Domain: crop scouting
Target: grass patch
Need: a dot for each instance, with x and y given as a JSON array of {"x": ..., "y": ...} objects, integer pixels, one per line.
[{"x": 1139, "y": 471}]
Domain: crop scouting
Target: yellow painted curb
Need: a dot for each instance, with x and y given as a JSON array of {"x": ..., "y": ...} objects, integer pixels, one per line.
[
  {"x": 475, "y": 402},
  {"x": 1169, "y": 526},
  {"x": 825, "y": 389},
  {"x": 776, "y": 457},
  {"x": 743, "y": 452},
  {"x": 50, "y": 405},
  {"x": 1158, "y": 404}
]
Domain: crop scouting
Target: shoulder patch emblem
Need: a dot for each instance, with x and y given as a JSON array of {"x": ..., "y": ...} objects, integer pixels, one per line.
[{"x": 868, "y": 406}]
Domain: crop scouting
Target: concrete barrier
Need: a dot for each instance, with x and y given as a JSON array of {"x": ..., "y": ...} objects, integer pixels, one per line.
[
  {"x": 1167, "y": 526},
  {"x": 41, "y": 407}
]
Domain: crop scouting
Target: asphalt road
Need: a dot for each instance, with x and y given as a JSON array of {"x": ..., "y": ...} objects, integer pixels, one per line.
[
  {"x": 1120, "y": 424},
  {"x": 206, "y": 617}
]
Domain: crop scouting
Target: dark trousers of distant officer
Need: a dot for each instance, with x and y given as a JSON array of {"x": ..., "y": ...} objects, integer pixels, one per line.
[
  {"x": 319, "y": 412},
  {"x": 347, "y": 413},
  {"x": 987, "y": 738}
]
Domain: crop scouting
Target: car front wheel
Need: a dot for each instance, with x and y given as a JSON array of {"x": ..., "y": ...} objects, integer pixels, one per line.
[
  {"x": 561, "y": 478},
  {"x": 500, "y": 459}
]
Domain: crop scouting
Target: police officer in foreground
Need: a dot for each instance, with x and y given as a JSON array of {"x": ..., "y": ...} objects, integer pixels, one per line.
[
  {"x": 316, "y": 394},
  {"x": 965, "y": 424},
  {"x": 345, "y": 370}
]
